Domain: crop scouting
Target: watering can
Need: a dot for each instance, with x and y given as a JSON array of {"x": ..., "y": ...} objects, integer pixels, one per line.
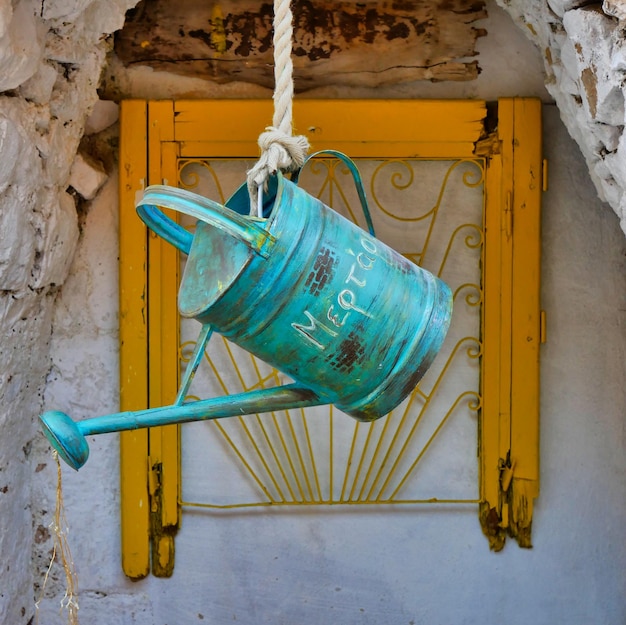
[{"x": 350, "y": 320}]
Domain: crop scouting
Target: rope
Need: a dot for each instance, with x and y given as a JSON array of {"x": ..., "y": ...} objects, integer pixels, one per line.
[
  {"x": 61, "y": 548},
  {"x": 280, "y": 150}
]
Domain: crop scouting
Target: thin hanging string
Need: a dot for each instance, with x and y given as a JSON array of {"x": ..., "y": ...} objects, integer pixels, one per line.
[
  {"x": 280, "y": 150},
  {"x": 61, "y": 549}
]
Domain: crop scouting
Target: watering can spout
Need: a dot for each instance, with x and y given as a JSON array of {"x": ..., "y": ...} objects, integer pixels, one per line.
[{"x": 68, "y": 437}]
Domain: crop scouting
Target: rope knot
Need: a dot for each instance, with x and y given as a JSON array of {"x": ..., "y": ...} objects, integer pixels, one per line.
[{"x": 279, "y": 152}]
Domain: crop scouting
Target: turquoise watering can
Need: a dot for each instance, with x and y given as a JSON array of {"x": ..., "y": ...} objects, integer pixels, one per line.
[{"x": 350, "y": 320}]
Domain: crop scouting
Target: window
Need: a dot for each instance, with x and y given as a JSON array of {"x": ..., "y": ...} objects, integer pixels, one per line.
[{"x": 473, "y": 178}]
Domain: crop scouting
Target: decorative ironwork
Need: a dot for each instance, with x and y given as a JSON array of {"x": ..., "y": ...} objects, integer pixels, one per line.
[{"x": 308, "y": 456}]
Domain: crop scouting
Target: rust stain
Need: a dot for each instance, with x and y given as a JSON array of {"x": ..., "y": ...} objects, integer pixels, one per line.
[
  {"x": 492, "y": 520},
  {"x": 579, "y": 50},
  {"x": 307, "y": 395},
  {"x": 521, "y": 497},
  {"x": 407, "y": 5},
  {"x": 323, "y": 271},
  {"x": 405, "y": 266},
  {"x": 251, "y": 32},
  {"x": 590, "y": 82},
  {"x": 350, "y": 352},
  {"x": 490, "y": 523},
  {"x": 412, "y": 381},
  {"x": 548, "y": 55},
  {"x": 42, "y": 534}
]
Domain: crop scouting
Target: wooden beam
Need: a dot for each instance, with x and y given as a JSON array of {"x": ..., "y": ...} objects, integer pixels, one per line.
[{"x": 367, "y": 43}]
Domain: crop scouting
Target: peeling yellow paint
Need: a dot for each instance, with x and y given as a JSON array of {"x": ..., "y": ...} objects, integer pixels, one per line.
[
  {"x": 218, "y": 32},
  {"x": 509, "y": 430},
  {"x": 522, "y": 496}
]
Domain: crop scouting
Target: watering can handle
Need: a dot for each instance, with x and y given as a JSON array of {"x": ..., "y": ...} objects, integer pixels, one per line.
[
  {"x": 241, "y": 228},
  {"x": 358, "y": 182}
]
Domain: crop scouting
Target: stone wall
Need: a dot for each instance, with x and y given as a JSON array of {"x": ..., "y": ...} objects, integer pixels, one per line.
[
  {"x": 51, "y": 57},
  {"x": 584, "y": 49}
]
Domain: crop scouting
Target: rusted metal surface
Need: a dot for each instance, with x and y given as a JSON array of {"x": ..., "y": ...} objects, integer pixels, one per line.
[
  {"x": 331, "y": 306},
  {"x": 322, "y": 272},
  {"x": 356, "y": 43}
]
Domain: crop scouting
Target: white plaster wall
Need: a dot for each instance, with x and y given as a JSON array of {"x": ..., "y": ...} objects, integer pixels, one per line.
[
  {"x": 419, "y": 567},
  {"x": 51, "y": 55}
]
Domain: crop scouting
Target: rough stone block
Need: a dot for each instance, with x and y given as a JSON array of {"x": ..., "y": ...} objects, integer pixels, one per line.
[
  {"x": 58, "y": 149},
  {"x": 570, "y": 60},
  {"x": 560, "y": 7},
  {"x": 90, "y": 280},
  {"x": 564, "y": 81},
  {"x": 86, "y": 176},
  {"x": 618, "y": 58},
  {"x": 593, "y": 36},
  {"x": 11, "y": 143},
  {"x": 615, "y": 8},
  {"x": 106, "y": 17},
  {"x": 38, "y": 88},
  {"x": 6, "y": 14},
  {"x": 591, "y": 32},
  {"x": 600, "y": 169},
  {"x": 617, "y": 162},
  {"x": 608, "y": 136},
  {"x": 609, "y": 103},
  {"x": 104, "y": 114},
  {"x": 585, "y": 56},
  {"x": 69, "y": 10},
  {"x": 17, "y": 239},
  {"x": 20, "y": 173},
  {"x": 610, "y": 191},
  {"x": 622, "y": 213},
  {"x": 20, "y": 45},
  {"x": 59, "y": 239}
]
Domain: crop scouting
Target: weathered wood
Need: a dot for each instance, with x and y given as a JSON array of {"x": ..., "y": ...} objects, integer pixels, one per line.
[{"x": 335, "y": 42}]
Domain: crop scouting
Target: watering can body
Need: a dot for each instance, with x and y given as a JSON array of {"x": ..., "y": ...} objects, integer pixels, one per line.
[{"x": 313, "y": 295}]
